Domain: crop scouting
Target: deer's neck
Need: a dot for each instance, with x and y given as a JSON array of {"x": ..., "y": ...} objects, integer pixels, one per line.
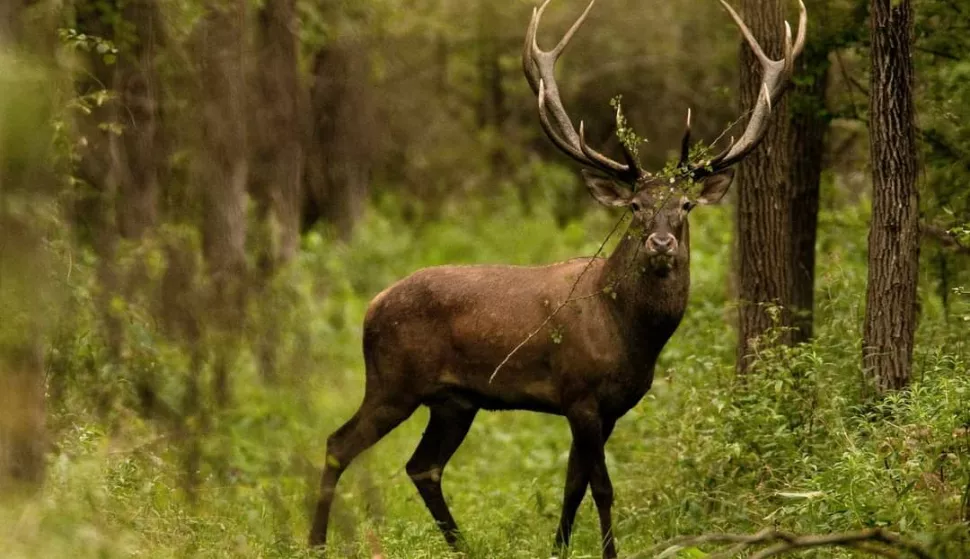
[{"x": 648, "y": 305}]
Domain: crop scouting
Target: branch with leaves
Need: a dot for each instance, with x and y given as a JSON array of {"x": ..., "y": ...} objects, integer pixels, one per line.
[
  {"x": 946, "y": 237},
  {"x": 772, "y": 543}
]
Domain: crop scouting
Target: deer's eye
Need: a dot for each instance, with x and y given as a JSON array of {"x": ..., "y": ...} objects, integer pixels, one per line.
[
  {"x": 687, "y": 206},
  {"x": 635, "y": 206}
]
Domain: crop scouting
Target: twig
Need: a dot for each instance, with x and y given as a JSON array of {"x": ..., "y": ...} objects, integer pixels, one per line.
[
  {"x": 569, "y": 296},
  {"x": 874, "y": 540},
  {"x": 941, "y": 54},
  {"x": 945, "y": 238},
  {"x": 848, "y": 78},
  {"x": 566, "y": 301},
  {"x": 730, "y": 127}
]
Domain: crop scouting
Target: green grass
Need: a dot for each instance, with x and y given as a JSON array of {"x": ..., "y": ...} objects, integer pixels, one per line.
[{"x": 794, "y": 446}]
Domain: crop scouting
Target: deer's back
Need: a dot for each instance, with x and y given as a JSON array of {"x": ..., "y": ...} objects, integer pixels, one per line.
[{"x": 442, "y": 331}]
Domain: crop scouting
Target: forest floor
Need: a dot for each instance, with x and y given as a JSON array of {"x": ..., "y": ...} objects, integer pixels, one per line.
[{"x": 795, "y": 446}]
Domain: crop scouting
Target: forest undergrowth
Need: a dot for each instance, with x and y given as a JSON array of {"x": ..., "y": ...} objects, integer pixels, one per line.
[{"x": 796, "y": 444}]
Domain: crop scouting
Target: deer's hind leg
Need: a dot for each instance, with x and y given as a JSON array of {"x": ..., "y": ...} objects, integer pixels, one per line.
[
  {"x": 446, "y": 430},
  {"x": 377, "y": 416}
]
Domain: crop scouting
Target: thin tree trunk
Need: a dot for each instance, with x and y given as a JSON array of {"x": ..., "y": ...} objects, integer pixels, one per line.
[
  {"x": 809, "y": 124},
  {"x": 277, "y": 164},
  {"x": 138, "y": 150},
  {"x": 339, "y": 150},
  {"x": 121, "y": 165},
  {"x": 890, "y": 321},
  {"x": 492, "y": 111},
  {"x": 764, "y": 199},
  {"x": 27, "y": 190},
  {"x": 277, "y": 169},
  {"x": 95, "y": 200},
  {"x": 222, "y": 166},
  {"x": 11, "y": 12},
  {"x": 222, "y": 171}
]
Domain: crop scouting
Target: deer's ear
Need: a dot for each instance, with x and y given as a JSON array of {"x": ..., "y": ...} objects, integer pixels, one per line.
[
  {"x": 607, "y": 191},
  {"x": 715, "y": 187}
]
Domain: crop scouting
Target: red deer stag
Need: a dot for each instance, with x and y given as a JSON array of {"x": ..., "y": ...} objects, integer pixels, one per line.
[{"x": 436, "y": 337}]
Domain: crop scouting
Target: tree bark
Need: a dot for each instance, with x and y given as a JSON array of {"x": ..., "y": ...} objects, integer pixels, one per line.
[
  {"x": 891, "y": 303},
  {"x": 277, "y": 166},
  {"x": 96, "y": 196},
  {"x": 809, "y": 124},
  {"x": 339, "y": 150},
  {"x": 221, "y": 173},
  {"x": 11, "y": 29},
  {"x": 764, "y": 200},
  {"x": 138, "y": 150},
  {"x": 122, "y": 156},
  {"x": 222, "y": 166},
  {"x": 492, "y": 110},
  {"x": 27, "y": 192}
]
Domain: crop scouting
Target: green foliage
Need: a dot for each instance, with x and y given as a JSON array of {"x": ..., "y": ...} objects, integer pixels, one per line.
[
  {"x": 137, "y": 469},
  {"x": 942, "y": 58},
  {"x": 627, "y": 136},
  {"x": 28, "y": 208},
  {"x": 795, "y": 444},
  {"x": 75, "y": 40}
]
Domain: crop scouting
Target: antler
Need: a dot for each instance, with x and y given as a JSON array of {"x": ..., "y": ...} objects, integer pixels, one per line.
[
  {"x": 539, "y": 67},
  {"x": 775, "y": 79}
]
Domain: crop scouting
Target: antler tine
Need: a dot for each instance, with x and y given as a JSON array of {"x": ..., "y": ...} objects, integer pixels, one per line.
[
  {"x": 789, "y": 49},
  {"x": 545, "y": 65},
  {"x": 685, "y": 144},
  {"x": 775, "y": 77},
  {"x": 800, "y": 35},
  {"x": 528, "y": 64},
  {"x": 585, "y": 155},
  {"x": 748, "y": 36},
  {"x": 618, "y": 168},
  {"x": 572, "y": 30},
  {"x": 539, "y": 67},
  {"x": 551, "y": 132}
]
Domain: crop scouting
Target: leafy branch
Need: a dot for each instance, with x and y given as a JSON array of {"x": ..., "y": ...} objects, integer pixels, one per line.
[{"x": 624, "y": 132}]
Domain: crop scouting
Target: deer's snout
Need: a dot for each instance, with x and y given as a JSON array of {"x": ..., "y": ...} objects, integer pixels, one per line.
[{"x": 661, "y": 243}]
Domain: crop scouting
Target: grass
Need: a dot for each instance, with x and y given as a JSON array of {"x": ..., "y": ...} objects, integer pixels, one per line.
[{"x": 795, "y": 445}]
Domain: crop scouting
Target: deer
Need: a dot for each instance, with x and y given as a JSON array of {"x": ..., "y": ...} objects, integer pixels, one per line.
[{"x": 459, "y": 339}]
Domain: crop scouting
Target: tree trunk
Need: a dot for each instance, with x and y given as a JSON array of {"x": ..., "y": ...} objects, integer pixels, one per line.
[
  {"x": 890, "y": 321},
  {"x": 809, "y": 124},
  {"x": 95, "y": 199},
  {"x": 339, "y": 150},
  {"x": 222, "y": 172},
  {"x": 123, "y": 154},
  {"x": 137, "y": 150},
  {"x": 222, "y": 165},
  {"x": 27, "y": 192},
  {"x": 492, "y": 111},
  {"x": 277, "y": 166},
  {"x": 10, "y": 25},
  {"x": 764, "y": 199}
]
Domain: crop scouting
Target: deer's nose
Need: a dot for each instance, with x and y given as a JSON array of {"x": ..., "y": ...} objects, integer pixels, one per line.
[{"x": 662, "y": 243}]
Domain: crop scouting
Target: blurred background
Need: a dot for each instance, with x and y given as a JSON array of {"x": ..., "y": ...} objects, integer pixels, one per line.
[{"x": 199, "y": 197}]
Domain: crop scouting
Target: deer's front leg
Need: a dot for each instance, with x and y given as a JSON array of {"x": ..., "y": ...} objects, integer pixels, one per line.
[
  {"x": 577, "y": 478},
  {"x": 589, "y": 440}
]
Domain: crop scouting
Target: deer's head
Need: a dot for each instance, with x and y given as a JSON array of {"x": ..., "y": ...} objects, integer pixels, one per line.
[{"x": 660, "y": 203}]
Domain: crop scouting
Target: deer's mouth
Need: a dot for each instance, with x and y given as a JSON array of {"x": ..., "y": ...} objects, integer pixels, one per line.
[{"x": 661, "y": 263}]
